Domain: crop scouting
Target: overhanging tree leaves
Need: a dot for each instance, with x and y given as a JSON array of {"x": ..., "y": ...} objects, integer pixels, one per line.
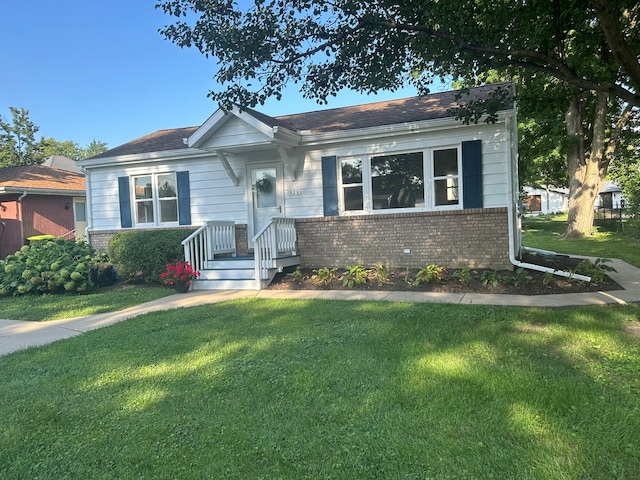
[{"x": 589, "y": 47}]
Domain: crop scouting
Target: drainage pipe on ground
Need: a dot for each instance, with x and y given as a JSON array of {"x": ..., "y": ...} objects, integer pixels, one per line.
[{"x": 512, "y": 172}]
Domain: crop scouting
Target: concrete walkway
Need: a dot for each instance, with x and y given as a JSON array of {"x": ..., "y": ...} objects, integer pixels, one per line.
[{"x": 17, "y": 335}]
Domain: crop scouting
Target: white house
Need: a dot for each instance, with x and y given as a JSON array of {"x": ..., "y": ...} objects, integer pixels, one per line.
[
  {"x": 399, "y": 182},
  {"x": 545, "y": 200}
]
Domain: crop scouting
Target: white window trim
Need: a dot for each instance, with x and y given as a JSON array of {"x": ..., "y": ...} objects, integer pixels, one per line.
[
  {"x": 431, "y": 204},
  {"x": 429, "y": 190},
  {"x": 155, "y": 201}
]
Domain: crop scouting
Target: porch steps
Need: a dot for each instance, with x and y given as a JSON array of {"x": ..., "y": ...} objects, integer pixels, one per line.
[{"x": 236, "y": 273}]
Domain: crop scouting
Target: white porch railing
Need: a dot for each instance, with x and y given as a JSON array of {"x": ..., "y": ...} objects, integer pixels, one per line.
[
  {"x": 210, "y": 239},
  {"x": 276, "y": 238}
]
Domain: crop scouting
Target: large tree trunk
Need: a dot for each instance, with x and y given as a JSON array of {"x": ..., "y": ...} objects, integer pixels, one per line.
[{"x": 586, "y": 174}]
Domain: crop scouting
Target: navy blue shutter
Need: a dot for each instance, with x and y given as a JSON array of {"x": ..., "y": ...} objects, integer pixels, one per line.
[
  {"x": 330, "y": 186},
  {"x": 125, "y": 202},
  {"x": 184, "y": 198},
  {"x": 472, "y": 173}
]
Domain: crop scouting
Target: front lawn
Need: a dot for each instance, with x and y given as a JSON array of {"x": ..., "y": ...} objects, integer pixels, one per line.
[
  {"x": 326, "y": 389},
  {"x": 57, "y": 306},
  {"x": 537, "y": 232}
]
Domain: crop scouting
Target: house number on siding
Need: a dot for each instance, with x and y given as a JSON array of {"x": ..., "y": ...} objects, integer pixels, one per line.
[{"x": 294, "y": 193}]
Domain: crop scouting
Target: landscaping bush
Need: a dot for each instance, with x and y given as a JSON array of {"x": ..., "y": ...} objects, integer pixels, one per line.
[
  {"x": 103, "y": 273},
  {"x": 141, "y": 256},
  {"x": 48, "y": 266}
]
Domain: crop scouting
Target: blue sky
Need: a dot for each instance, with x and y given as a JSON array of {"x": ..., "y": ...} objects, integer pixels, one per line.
[{"x": 100, "y": 70}]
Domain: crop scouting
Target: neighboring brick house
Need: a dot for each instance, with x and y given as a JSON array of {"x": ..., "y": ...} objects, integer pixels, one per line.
[
  {"x": 398, "y": 182},
  {"x": 39, "y": 200}
]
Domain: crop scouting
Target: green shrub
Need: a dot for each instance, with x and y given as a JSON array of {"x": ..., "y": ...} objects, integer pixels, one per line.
[
  {"x": 143, "y": 255},
  {"x": 297, "y": 275},
  {"x": 381, "y": 274},
  {"x": 430, "y": 273},
  {"x": 548, "y": 279},
  {"x": 324, "y": 276},
  {"x": 354, "y": 275},
  {"x": 597, "y": 271},
  {"x": 520, "y": 277},
  {"x": 491, "y": 277},
  {"x": 48, "y": 266},
  {"x": 464, "y": 275},
  {"x": 103, "y": 273}
]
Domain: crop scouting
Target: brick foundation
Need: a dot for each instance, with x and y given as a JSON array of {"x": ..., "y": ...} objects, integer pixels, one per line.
[{"x": 478, "y": 238}]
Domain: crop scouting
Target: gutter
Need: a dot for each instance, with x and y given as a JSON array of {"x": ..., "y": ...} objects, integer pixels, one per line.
[
  {"x": 88, "y": 204},
  {"x": 42, "y": 191},
  {"x": 512, "y": 141}
]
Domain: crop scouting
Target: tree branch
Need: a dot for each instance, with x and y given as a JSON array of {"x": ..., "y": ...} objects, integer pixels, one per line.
[
  {"x": 547, "y": 64},
  {"x": 610, "y": 23}
]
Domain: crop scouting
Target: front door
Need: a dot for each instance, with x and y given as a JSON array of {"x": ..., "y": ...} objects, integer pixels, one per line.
[{"x": 266, "y": 195}]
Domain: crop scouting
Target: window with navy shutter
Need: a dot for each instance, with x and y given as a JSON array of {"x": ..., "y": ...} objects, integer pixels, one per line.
[
  {"x": 156, "y": 199},
  {"x": 330, "y": 186},
  {"x": 472, "y": 173},
  {"x": 125, "y": 202}
]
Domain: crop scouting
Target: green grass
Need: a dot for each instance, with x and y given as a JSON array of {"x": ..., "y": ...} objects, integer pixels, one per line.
[
  {"x": 54, "y": 307},
  {"x": 545, "y": 234},
  {"x": 315, "y": 389}
]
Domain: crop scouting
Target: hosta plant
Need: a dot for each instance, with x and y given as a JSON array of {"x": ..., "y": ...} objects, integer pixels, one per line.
[
  {"x": 354, "y": 275},
  {"x": 324, "y": 276},
  {"x": 430, "y": 273}
]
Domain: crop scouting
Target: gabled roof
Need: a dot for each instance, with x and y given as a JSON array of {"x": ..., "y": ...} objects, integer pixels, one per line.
[
  {"x": 40, "y": 179},
  {"x": 160, "y": 141},
  {"x": 392, "y": 112}
]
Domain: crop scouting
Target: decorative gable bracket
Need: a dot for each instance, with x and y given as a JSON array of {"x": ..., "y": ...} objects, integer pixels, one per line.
[
  {"x": 292, "y": 162},
  {"x": 227, "y": 166}
]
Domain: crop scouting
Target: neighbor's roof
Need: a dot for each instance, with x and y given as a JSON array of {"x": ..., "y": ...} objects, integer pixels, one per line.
[
  {"x": 391, "y": 112},
  {"x": 610, "y": 186},
  {"x": 40, "y": 177},
  {"x": 62, "y": 162}
]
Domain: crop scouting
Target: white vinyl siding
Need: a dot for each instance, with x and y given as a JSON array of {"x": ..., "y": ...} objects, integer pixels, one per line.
[{"x": 215, "y": 197}]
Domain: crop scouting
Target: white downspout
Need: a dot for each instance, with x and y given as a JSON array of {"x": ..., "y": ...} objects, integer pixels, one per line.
[
  {"x": 87, "y": 183},
  {"x": 515, "y": 240}
]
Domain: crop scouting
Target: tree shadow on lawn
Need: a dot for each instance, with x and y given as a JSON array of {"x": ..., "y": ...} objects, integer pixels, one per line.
[{"x": 310, "y": 389}]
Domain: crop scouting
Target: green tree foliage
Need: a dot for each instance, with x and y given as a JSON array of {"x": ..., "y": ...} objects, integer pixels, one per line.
[
  {"x": 18, "y": 144},
  {"x": 95, "y": 147},
  {"x": 73, "y": 150},
  {"x": 626, "y": 169},
  {"x": 65, "y": 148},
  {"x": 585, "y": 51}
]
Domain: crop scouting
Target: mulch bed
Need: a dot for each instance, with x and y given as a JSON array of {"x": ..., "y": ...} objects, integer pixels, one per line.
[{"x": 401, "y": 280}]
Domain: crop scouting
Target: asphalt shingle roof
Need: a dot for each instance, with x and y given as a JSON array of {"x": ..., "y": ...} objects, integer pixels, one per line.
[
  {"x": 40, "y": 177},
  {"x": 393, "y": 112}
]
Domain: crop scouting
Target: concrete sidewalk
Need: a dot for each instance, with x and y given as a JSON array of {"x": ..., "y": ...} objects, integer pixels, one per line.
[{"x": 17, "y": 335}]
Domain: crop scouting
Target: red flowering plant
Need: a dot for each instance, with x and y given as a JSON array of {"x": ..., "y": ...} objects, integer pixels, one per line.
[{"x": 179, "y": 272}]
